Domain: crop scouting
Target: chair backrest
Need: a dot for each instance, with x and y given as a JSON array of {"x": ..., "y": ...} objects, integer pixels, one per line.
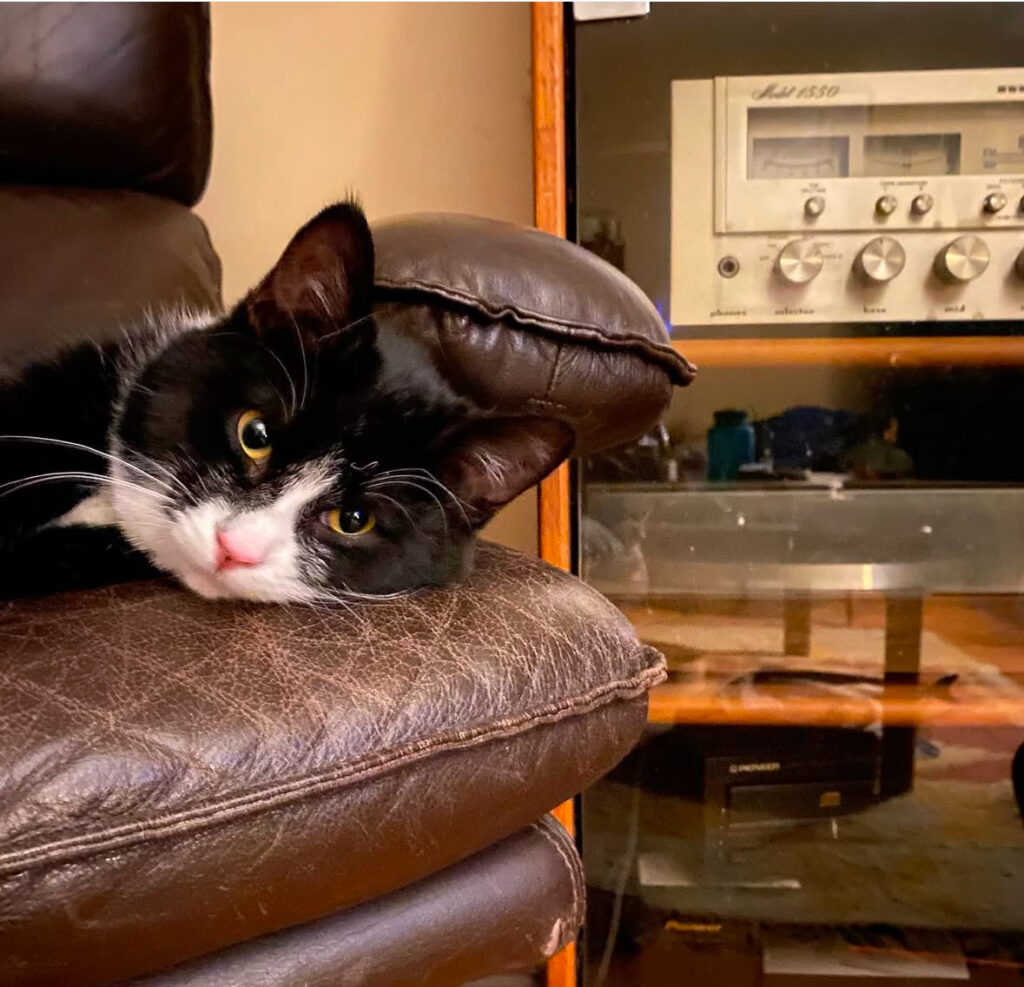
[
  {"x": 110, "y": 95},
  {"x": 105, "y": 137}
]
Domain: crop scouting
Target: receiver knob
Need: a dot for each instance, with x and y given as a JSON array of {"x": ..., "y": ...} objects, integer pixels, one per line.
[
  {"x": 962, "y": 260},
  {"x": 880, "y": 260},
  {"x": 799, "y": 261},
  {"x": 886, "y": 205},
  {"x": 814, "y": 206},
  {"x": 994, "y": 201},
  {"x": 1019, "y": 264},
  {"x": 921, "y": 204}
]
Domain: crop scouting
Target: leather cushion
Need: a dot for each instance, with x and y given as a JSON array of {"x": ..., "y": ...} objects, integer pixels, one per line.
[
  {"x": 106, "y": 94},
  {"x": 81, "y": 262},
  {"x": 505, "y": 909},
  {"x": 178, "y": 775},
  {"x": 521, "y": 320}
]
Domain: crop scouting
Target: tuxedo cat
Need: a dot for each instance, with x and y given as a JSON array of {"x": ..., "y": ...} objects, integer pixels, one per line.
[{"x": 298, "y": 449}]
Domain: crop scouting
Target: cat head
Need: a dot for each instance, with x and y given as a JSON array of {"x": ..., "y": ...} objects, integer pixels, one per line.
[{"x": 303, "y": 449}]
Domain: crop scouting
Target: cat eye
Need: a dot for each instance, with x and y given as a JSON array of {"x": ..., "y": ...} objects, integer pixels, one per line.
[
  {"x": 349, "y": 520},
  {"x": 253, "y": 436}
]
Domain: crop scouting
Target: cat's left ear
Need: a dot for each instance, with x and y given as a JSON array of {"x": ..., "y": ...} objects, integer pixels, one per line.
[
  {"x": 324, "y": 279},
  {"x": 490, "y": 461}
]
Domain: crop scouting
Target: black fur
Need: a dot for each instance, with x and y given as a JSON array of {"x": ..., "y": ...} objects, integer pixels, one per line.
[{"x": 334, "y": 384}]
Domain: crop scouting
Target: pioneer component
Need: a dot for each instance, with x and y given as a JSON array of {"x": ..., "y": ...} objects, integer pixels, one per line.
[{"x": 874, "y": 197}]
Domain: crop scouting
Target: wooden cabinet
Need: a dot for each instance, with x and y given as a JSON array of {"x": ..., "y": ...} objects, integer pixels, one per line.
[{"x": 832, "y": 779}]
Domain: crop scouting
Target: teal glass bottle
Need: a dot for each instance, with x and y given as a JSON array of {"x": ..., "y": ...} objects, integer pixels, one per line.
[{"x": 730, "y": 444}]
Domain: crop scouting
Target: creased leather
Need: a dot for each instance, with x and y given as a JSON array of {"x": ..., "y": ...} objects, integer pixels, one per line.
[
  {"x": 521, "y": 319},
  {"x": 178, "y": 775},
  {"x": 106, "y": 95},
  {"x": 505, "y": 909}
]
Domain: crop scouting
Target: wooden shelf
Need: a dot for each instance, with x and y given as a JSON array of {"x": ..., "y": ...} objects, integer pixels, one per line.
[
  {"x": 906, "y": 351},
  {"x": 793, "y": 705},
  {"x": 979, "y": 639}
]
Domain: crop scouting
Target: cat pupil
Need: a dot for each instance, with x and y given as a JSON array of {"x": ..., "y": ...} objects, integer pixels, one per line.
[
  {"x": 255, "y": 435},
  {"x": 353, "y": 519}
]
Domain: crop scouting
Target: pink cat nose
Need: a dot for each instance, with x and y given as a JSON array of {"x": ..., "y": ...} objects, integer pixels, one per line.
[{"x": 238, "y": 548}]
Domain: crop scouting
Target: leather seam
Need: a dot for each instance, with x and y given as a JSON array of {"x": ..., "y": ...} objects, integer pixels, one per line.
[
  {"x": 558, "y": 840},
  {"x": 666, "y": 356},
  {"x": 359, "y": 771}
]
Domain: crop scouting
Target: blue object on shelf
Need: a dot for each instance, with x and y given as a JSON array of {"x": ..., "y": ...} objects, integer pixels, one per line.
[
  {"x": 809, "y": 437},
  {"x": 730, "y": 444}
]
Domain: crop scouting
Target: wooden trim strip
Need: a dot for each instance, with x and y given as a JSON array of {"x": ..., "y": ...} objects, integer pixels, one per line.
[
  {"x": 874, "y": 351},
  {"x": 549, "y": 205},
  {"x": 899, "y": 705}
]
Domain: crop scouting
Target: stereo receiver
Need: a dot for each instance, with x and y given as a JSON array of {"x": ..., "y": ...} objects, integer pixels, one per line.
[{"x": 868, "y": 197}]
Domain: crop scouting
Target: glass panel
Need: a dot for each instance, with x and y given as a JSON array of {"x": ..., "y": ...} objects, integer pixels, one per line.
[{"x": 829, "y": 555}]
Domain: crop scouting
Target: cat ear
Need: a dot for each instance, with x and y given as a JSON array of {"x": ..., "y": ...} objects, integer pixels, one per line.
[
  {"x": 490, "y": 461},
  {"x": 324, "y": 279}
]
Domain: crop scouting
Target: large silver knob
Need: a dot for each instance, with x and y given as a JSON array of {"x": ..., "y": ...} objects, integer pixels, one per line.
[
  {"x": 1018, "y": 265},
  {"x": 962, "y": 260},
  {"x": 799, "y": 261},
  {"x": 880, "y": 260}
]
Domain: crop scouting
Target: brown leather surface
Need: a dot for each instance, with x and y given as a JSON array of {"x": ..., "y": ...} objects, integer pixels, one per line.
[
  {"x": 521, "y": 320},
  {"x": 178, "y": 775},
  {"x": 80, "y": 263},
  {"x": 505, "y": 909},
  {"x": 106, "y": 95}
]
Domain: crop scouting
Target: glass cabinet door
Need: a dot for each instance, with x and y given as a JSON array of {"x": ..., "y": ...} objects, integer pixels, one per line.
[{"x": 825, "y": 534}]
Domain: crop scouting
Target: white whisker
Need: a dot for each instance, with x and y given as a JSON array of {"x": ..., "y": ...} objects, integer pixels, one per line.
[
  {"x": 398, "y": 504},
  {"x": 305, "y": 363},
  {"x": 13, "y": 486},
  {"x": 344, "y": 328},
  {"x": 418, "y": 486},
  {"x": 64, "y": 443}
]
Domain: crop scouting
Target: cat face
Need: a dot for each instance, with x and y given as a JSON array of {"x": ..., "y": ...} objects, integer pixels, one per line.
[{"x": 302, "y": 449}]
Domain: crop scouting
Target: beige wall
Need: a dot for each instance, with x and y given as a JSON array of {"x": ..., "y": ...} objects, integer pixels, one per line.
[{"x": 413, "y": 106}]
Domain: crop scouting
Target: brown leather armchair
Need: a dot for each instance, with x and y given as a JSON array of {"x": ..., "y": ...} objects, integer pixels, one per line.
[{"x": 197, "y": 793}]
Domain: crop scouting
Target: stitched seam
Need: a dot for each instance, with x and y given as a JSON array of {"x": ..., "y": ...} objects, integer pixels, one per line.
[
  {"x": 665, "y": 355},
  {"x": 569, "y": 858},
  {"x": 545, "y": 831},
  {"x": 363, "y": 770},
  {"x": 549, "y": 837}
]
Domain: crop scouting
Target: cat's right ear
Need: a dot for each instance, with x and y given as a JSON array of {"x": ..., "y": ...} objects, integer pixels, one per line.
[
  {"x": 323, "y": 281},
  {"x": 487, "y": 462}
]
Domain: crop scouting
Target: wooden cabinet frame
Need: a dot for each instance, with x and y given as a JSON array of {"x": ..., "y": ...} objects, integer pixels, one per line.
[{"x": 549, "y": 214}]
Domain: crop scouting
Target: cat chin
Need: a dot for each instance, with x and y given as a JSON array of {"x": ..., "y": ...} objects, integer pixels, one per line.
[{"x": 214, "y": 587}]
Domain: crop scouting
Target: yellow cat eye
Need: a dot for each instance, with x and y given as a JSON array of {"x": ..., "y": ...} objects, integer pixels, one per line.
[
  {"x": 253, "y": 436},
  {"x": 349, "y": 520}
]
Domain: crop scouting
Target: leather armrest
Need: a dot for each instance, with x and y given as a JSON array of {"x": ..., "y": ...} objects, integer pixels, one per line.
[{"x": 523, "y": 321}]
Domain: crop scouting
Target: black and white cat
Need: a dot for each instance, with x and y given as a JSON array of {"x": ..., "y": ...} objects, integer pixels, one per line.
[{"x": 297, "y": 449}]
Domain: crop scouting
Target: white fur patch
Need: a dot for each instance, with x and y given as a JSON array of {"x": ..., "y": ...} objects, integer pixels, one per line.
[
  {"x": 96, "y": 511},
  {"x": 185, "y": 544}
]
